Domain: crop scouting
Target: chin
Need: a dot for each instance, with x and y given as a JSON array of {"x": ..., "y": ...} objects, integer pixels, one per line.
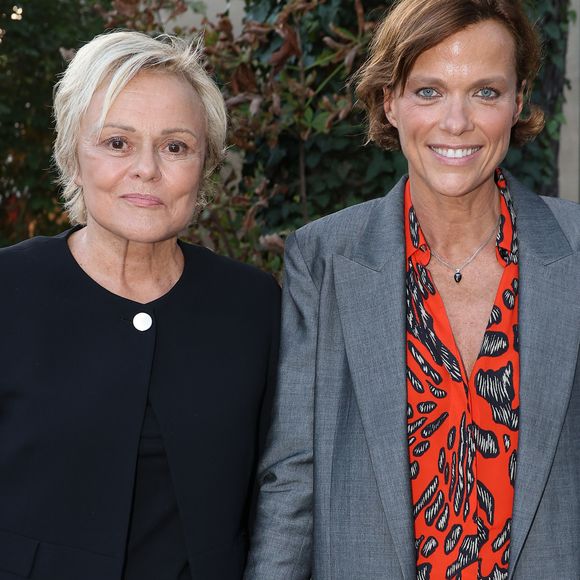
[
  {"x": 458, "y": 185},
  {"x": 151, "y": 236},
  {"x": 143, "y": 233}
]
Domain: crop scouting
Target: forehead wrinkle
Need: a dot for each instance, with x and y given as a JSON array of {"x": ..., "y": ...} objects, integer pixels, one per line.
[
  {"x": 441, "y": 65},
  {"x": 180, "y": 130},
  {"x": 127, "y": 128},
  {"x": 464, "y": 44}
]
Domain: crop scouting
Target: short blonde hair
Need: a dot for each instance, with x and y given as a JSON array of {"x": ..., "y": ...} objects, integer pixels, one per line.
[
  {"x": 117, "y": 57},
  {"x": 414, "y": 26}
]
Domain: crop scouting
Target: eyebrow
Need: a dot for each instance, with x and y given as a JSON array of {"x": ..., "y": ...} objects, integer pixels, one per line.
[
  {"x": 117, "y": 126},
  {"x": 169, "y": 131},
  {"x": 441, "y": 81}
]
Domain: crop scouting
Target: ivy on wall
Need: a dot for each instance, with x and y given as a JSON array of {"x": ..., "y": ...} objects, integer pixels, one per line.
[
  {"x": 34, "y": 38},
  {"x": 537, "y": 162},
  {"x": 297, "y": 138}
]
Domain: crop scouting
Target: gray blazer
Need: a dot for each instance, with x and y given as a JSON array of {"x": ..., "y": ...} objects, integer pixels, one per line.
[{"x": 335, "y": 500}]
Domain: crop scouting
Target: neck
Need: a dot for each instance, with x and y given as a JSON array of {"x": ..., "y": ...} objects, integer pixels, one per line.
[
  {"x": 140, "y": 271},
  {"x": 455, "y": 226}
]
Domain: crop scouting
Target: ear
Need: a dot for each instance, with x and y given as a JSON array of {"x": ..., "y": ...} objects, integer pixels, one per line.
[
  {"x": 388, "y": 106},
  {"x": 519, "y": 104}
]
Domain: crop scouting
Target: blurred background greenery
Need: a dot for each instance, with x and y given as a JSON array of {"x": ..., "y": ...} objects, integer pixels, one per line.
[{"x": 297, "y": 139}]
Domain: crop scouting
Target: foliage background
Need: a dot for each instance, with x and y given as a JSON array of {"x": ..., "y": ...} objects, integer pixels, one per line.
[{"x": 297, "y": 139}]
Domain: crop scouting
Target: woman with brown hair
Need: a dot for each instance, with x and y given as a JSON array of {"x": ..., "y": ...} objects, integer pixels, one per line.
[{"x": 425, "y": 424}]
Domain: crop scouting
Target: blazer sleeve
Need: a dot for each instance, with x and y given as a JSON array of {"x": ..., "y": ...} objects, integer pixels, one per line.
[
  {"x": 272, "y": 376},
  {"x": 282, "y": 537}
]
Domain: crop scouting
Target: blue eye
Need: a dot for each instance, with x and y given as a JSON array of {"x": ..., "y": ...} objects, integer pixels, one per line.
[
  {"x": 427, "y": 93},
  {"x": 487, "y": 93}
]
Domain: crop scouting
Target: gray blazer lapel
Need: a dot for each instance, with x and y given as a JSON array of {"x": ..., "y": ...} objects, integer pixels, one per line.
[
  {"x": 370, "y": 289},
  {"x": 549, "y": 333}
]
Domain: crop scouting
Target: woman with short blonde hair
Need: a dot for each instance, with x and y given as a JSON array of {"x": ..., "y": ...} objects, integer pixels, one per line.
[
  {"x": 135, "y": 384},
  {"x": 115, "y": 59}
]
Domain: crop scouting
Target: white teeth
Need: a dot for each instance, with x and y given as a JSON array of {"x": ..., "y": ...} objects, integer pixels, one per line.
[{"x": 455, "y": 153}]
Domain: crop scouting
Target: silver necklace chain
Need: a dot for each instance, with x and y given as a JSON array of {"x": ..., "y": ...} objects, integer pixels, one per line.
[{"x": 457, "y": 269}]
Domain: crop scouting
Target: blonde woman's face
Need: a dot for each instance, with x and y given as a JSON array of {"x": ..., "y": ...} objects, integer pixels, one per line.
[
  {"x": 141, "y": 173},
  {"x": 456, "y": 111}
]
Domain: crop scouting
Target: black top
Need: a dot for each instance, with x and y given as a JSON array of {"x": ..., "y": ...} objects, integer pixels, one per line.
[
  {"x": 76, "y": 376},
  {"x": 155, "y": 546}
]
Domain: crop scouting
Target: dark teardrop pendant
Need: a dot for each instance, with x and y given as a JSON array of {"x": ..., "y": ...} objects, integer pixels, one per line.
[{"x": 457, "y": 276}]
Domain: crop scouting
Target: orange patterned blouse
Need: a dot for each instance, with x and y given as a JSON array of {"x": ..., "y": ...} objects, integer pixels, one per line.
[{"x": 463, "y": 431}]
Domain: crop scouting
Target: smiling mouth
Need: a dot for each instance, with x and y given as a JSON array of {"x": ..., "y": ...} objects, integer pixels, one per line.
[{"x": 455, "y": 153}]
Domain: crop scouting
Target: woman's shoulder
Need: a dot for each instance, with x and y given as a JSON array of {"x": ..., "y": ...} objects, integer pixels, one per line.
[
  {"x": 545, "y": 214},
  {"x": 567, "y": 214},
  {"x": 337, "y": 232},
  {"x": 341, "y": 223},
  {"x": 32, "y": 252},
  {"x": 214, "y": 267},
  {"x": 30, "y": 268}
]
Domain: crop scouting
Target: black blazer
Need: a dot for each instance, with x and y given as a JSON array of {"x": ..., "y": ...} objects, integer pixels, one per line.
[{"x": 74, "y": 378}]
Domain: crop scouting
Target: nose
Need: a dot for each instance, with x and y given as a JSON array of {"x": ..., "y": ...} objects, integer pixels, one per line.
[
  {"x": 456, "y": 116},
  {"x": 146, "y": 164}
]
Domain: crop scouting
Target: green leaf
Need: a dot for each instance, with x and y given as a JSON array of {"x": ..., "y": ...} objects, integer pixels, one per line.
[{"x": 319, "y": 122}]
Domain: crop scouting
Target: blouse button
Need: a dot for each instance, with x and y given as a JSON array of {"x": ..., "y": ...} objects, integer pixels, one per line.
[{"x": 142, "y": 321}]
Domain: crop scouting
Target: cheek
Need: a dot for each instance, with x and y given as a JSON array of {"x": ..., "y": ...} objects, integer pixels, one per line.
[
  {"x": 183, "y": 206},
  {"x": 187, "y": 179},
  {"x": 415, "y": 121},
  {"x": 411, "y": 127},
  {"x": 499, "y": 126},
  {"x": 102, "y": 178},
  {"x": 91, "y": 167},
  {"x": 182, "y": 190},
  {"x": 81, "y": 169}
]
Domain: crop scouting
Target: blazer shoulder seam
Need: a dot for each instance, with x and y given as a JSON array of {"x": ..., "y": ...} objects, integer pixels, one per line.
[
  {"x": 306, "y": 263},
  {"x": 571, "y": 235}
]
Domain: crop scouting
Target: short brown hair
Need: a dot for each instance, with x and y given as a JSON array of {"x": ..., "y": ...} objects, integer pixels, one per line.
[{"x": 413, "y": 26}]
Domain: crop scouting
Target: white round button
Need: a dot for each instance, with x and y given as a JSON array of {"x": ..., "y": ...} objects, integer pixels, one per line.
[{"x": 142, "y": 321}]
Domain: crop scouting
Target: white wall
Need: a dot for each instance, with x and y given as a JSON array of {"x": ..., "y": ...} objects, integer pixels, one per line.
[
  {"x": 215, "y": 7},
  {"x": 569, "y": 142}
]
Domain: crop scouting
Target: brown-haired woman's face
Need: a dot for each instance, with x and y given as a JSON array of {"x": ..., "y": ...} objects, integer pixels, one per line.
[{"x": 456, "y": 111}]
